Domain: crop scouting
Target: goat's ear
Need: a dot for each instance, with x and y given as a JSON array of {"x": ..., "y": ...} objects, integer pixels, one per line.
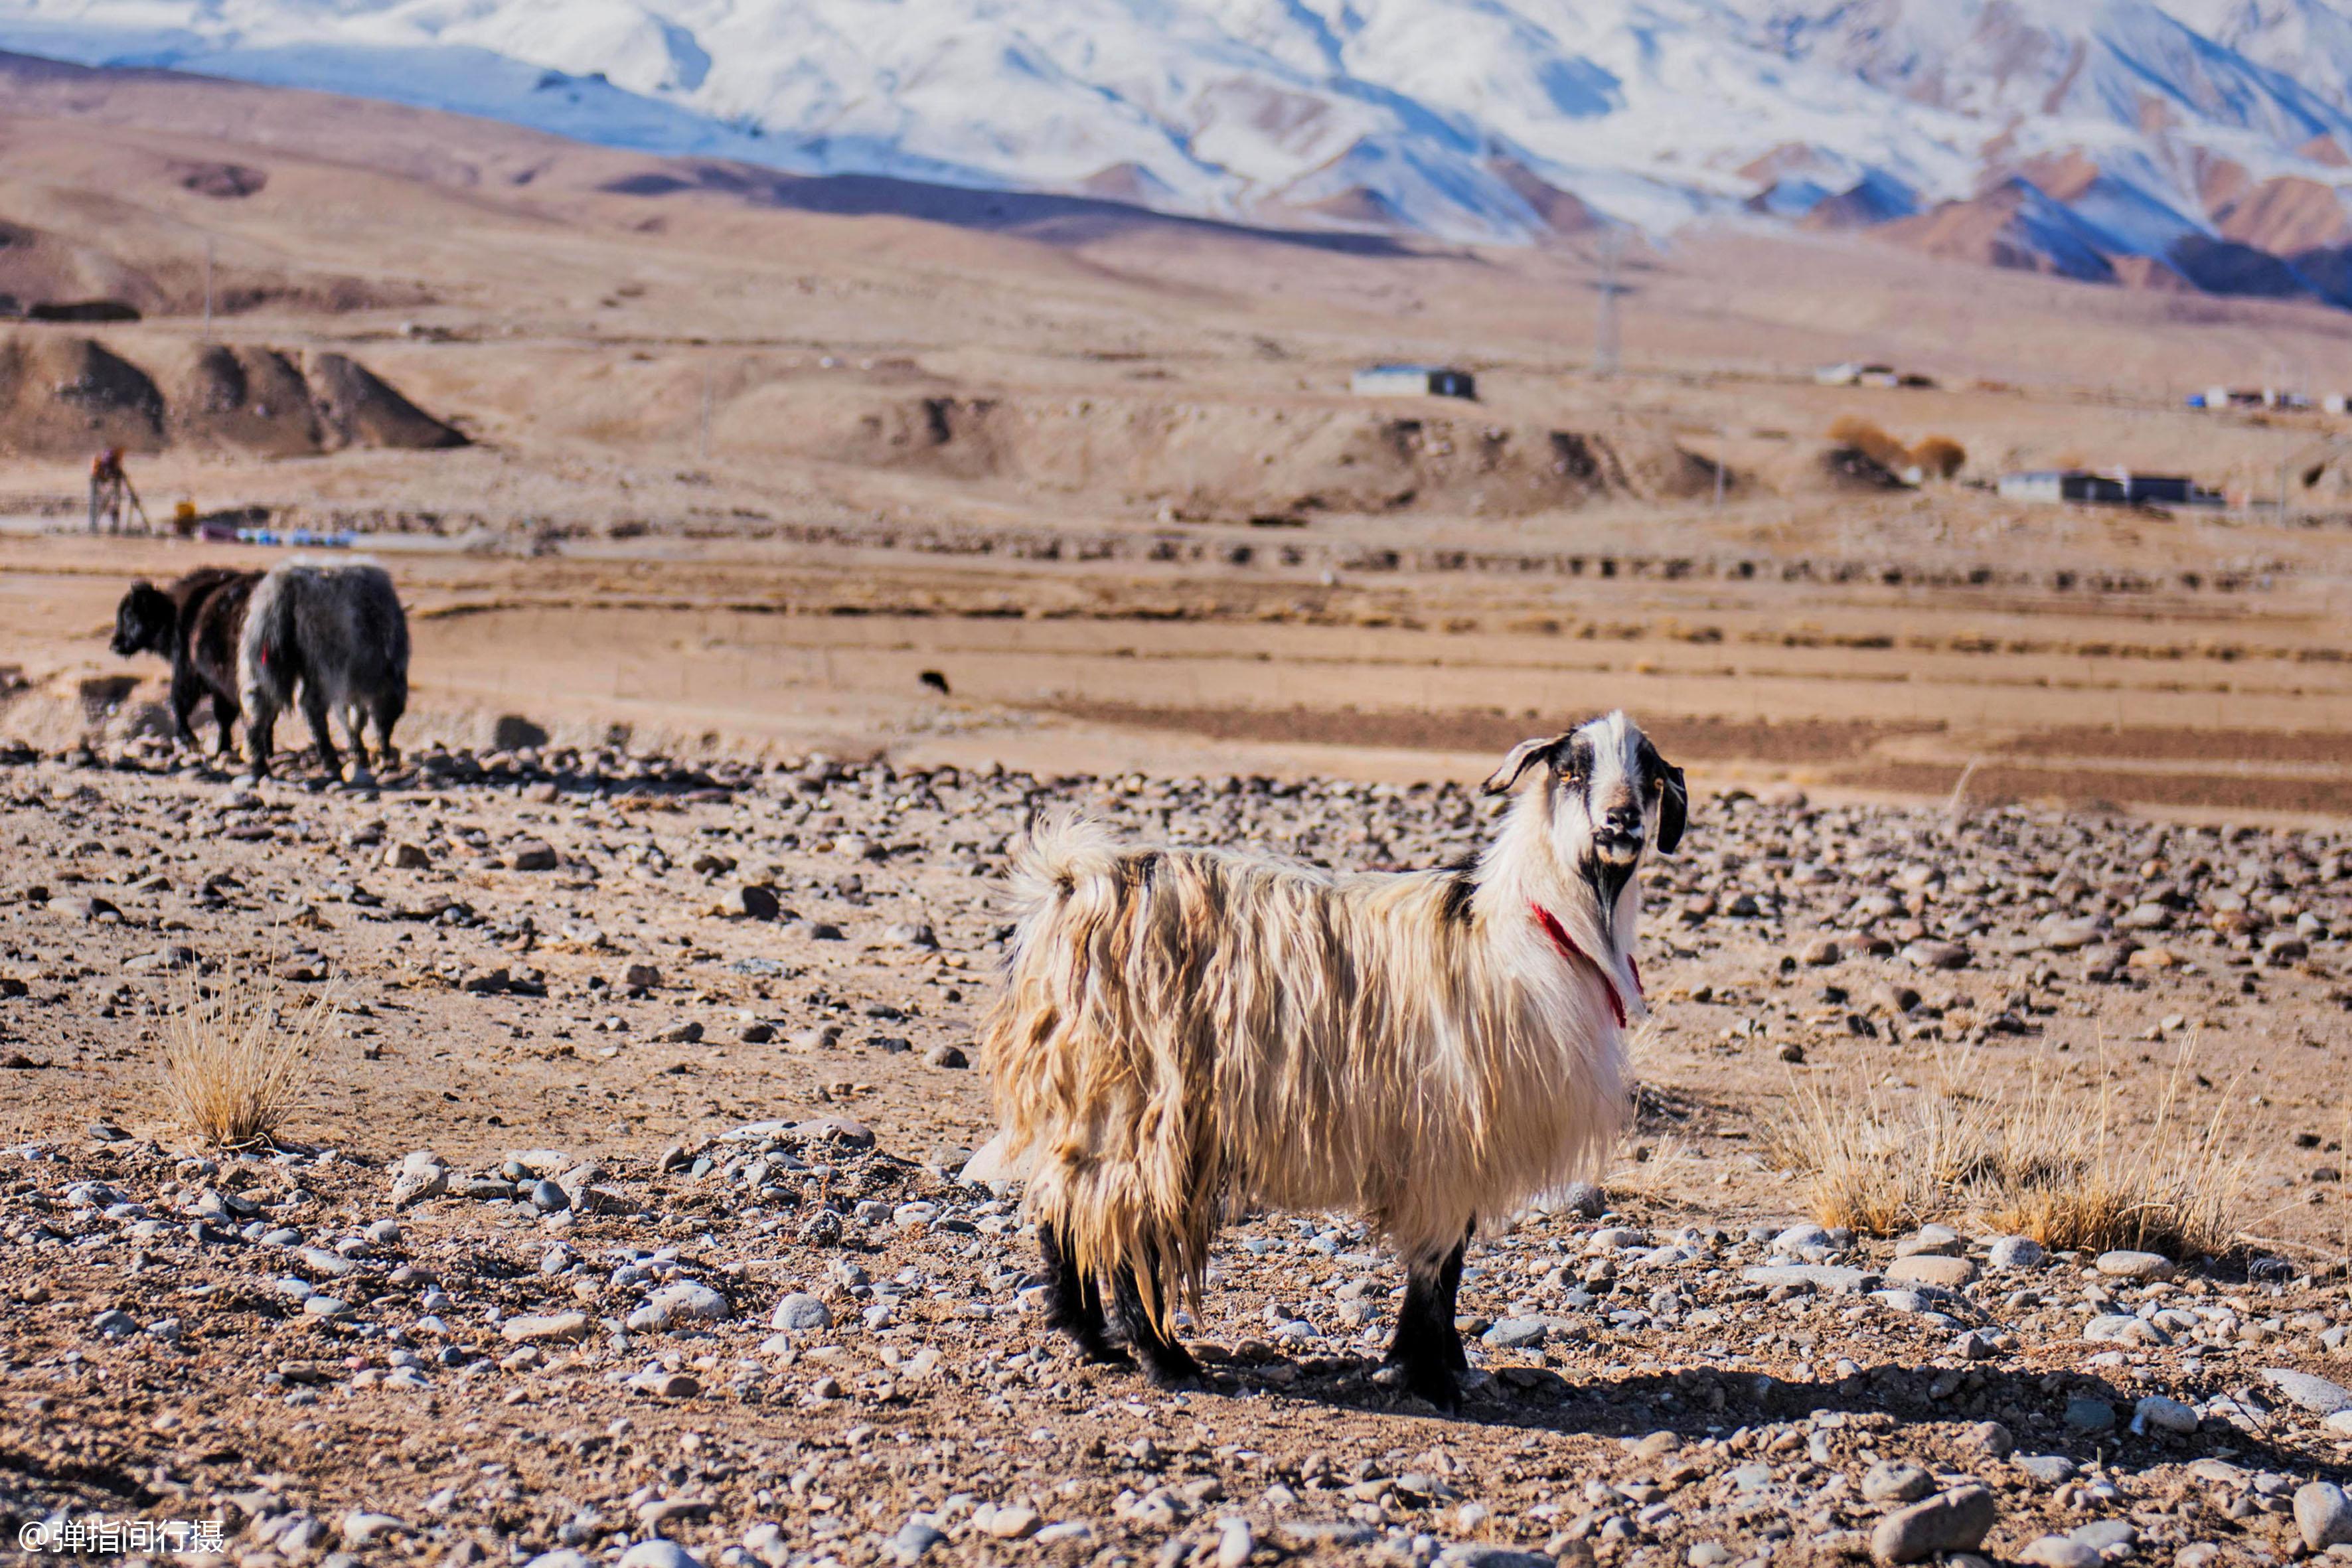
[
  {"x": 1524, "y": 756},
  {"x": 1674, "y": 797}
]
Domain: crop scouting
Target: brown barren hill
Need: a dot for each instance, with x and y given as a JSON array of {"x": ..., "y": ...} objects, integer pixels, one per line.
[
  {"x": 361, "y": 409},
  {"x": 64, "y": 396},
  {"x": 244, "y": 399}
]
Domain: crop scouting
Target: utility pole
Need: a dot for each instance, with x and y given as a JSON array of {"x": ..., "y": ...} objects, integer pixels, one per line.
[{"x": 1604, "y": 326}]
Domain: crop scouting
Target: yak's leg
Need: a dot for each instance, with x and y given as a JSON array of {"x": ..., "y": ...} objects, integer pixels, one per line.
[
  {"x": 1169, "y": 1364},
  {"x": 1074, "y": 1302},
  {"x": 354, "y": 718},
  {"x": 187, "y": 690},
  {"x": 224, "y": 716},
  {"x": 260, "y": 732},
  {"x": 386, "y": 709},
  {"x": 314, "y": 711}
]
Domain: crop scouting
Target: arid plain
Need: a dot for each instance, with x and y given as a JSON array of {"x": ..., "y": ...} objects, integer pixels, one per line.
[{"x": 1996, "y": 805}]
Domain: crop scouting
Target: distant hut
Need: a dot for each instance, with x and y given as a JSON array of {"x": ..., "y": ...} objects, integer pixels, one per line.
[{"x": 1412, "y": 381}]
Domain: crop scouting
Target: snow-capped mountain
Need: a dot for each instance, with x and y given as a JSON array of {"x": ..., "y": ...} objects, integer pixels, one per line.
[{"x": 2068, "y": 134}]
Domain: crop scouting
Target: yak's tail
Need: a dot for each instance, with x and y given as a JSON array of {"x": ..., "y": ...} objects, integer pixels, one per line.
[
  {"x": 267, "y": 653},
  {"x": 1090, "y": 1095}
]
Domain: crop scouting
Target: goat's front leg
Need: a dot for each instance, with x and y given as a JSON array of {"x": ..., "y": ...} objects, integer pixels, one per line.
[
  {"x": 1168, "y": 1363},
  {"x": 1428, "y": 1347},
  {"x": 1074, "y": 1302}
]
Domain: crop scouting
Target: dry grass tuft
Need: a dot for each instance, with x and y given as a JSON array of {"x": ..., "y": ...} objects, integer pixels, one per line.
[
  {"x": 237, "y": 1059},
  {"x": 2039, "y": 1164},
  {"x": 1939, "y": 456},
  {"x": 1872, "y": 441}
]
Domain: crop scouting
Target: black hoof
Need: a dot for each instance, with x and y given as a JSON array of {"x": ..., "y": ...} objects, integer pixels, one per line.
[{"x": 1171, "y": 1367}]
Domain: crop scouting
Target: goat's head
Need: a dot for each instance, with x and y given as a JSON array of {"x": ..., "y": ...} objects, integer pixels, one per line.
[
  {"x": 1603, "y": 786},
  {"x": 144, "y": 621}
]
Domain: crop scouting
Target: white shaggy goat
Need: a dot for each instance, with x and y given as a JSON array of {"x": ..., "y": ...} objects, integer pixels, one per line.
[
  {"x": 1187, "y": 1033},
  {"x": 336, "y": 634}
]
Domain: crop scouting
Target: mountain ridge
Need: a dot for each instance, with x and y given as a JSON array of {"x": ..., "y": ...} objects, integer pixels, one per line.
[{"x": 2161, "y": 133}]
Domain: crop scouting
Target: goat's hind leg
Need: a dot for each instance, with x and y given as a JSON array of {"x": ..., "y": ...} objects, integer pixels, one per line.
[
  {"x": 1074, "y": 1302},
  {"x": 1168, "y": 1363}
]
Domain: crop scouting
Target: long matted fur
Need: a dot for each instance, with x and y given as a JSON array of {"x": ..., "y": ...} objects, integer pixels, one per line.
[
  {"x": 335, "y": 633},
  {"x": 1186, "y": 1033}
]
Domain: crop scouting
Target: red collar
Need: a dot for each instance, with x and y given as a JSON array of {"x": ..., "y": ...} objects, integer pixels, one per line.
[{"x": 1570, "y": 951}]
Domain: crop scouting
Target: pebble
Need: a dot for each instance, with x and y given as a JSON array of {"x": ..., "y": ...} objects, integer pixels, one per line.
[
  {"x": 1235, "y": 1545},
  {"x": 1956, "y": 1520},
  {"x": 549, "y": 1198},
  {"x": 658, "y": 1553},
  {"x": 1889, "y": 1482},
  {"x": 684, "y": 1301},
  {"x": 2084, "y": 1414},
  {"x": 2050, "y": 1469},
  {"x": 1517, "y": 1333},
  {"x": 2059, "y": 1551},
  {"x": 2123, "y": 1329},
  {"x": 2165, "y": 1414},
  {"x": 1830, "y": 1277},
  {"x": 2134, "y": 1266},
  {"x": 361, "y": 1527},
  {"x": 801, "y": 1312},
  {"x": 1011, "y": 1523},
  {"x": 1930, "y": 954},
  {"x": 1801, "y": 1239},
  {"x": 2014, "y": 1252},
  {"x": 914, "y": 1539}
]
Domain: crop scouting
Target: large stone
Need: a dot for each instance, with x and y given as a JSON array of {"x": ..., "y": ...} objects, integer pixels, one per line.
[
  {"x": 2059, "y": 1551},
  {"x": 2316, "y": 1394},
  {"x": 554, "y": 1326},
  {"x": 2014, "y": 1252},
  {"x": 1927, "y": 1268},
  {"x": 682, "y": 1302},
  {"x": 2134, "y": 1266},
  {"x": 1823, "y": 1277},
  {"x": 2322, "y": 1511},
  {"x": 658, "y": 1553},
  {"x": 1517, "y": 1333},
  {"x": 2122, "y": 1329},
  {"x": 752, "y": 901},
  {"x": 1955, "y": 1521},
  {"x": 530, "y": 855},
  {"x": 1929, "y": 953}
]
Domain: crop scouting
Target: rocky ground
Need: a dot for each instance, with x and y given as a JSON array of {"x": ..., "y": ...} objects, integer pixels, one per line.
[{"x": 627, "y": 1217}]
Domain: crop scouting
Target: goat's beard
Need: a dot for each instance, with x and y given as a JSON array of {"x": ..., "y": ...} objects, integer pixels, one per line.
[
  {"x": 1614, "y": 849},
  {"x": 1610, "y": 867}
]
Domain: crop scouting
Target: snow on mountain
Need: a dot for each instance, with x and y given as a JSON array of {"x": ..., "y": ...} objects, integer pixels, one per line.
[{"x": 2147, "y": 122}]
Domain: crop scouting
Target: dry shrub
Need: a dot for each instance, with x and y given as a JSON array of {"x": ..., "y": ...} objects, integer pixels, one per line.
[
  {"x": 2035, "y": 1163},
  {"x": 237, "y": 1059},
  {"x": 1939, "y": 456},
  {"x": 1872, "y": 441}
]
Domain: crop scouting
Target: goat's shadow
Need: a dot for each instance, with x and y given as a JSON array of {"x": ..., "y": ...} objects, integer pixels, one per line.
[{"x": 2030, "y": 1406}]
